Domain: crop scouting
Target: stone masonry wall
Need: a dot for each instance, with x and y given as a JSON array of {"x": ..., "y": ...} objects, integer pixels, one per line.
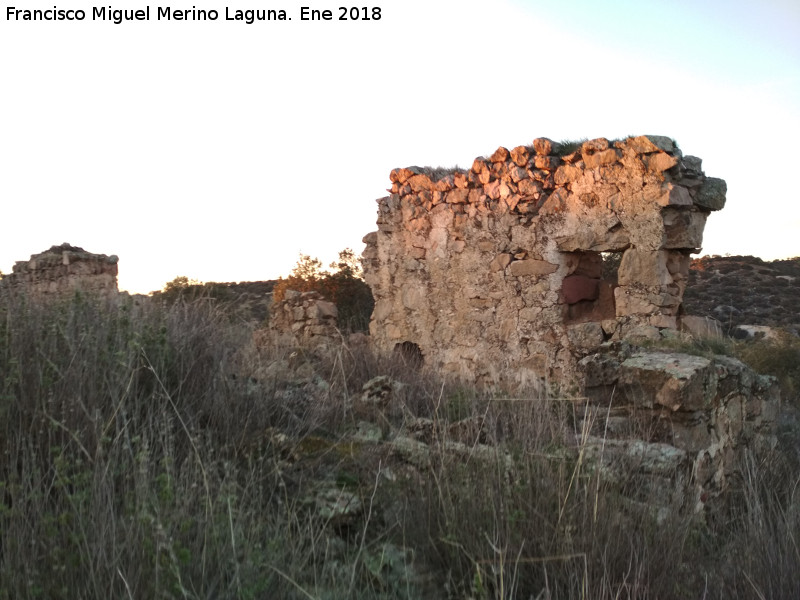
[
  {"x": 303, "y": 319},
  {"x": 501, "y": 274},
  {"x": 63, "y": 270},
  {"x": 684, "y": 420}
]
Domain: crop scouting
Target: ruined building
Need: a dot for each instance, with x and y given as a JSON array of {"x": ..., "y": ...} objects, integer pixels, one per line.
[
  {"x": 518, "y": 272},
  {"x": 62, "y": 270},
  {"x": 303, "y": 319},
  {"x": 507, "y": 273}
]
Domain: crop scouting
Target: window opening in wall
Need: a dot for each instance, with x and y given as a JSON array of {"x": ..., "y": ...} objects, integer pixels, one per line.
[
  {"x": 588, "y": 291},
  {"x": 611, "y": 261}
]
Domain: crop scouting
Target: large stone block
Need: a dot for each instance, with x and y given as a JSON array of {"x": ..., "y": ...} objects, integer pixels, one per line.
[
  {"x": 711, "y": 194},
  {"x": 579, "y": 287},
  {"x": 530, "y": 267},
  {"x": 632, "y": 301},
  {"x": 683, "y": 228},
  {"x": 642, "y": 267},
  {"x": 675, "y": 381},
  {"x": 322, "y": 309}
]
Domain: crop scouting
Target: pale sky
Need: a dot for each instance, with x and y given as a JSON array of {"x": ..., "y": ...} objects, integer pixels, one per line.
[{"x": 221, "y": 150}]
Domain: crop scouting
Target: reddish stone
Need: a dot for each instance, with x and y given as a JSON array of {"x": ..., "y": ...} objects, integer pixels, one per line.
[
  {"x": 500, "y": 155},
  {"x": 579, "y": 287}
]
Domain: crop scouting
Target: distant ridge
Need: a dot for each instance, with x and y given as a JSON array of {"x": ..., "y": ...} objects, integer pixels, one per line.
[{"x": 745, "y": 290}]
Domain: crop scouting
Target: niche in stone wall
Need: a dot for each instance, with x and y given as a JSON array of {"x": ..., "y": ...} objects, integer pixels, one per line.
[
  {"x": 410, "y": 354},
  {"x": 588, "y": 291}
]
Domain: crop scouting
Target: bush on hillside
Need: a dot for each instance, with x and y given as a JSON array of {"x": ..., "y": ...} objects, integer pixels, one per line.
[
  {"x": 343, "y": 284},
  {"x": 183, "y": 288}
]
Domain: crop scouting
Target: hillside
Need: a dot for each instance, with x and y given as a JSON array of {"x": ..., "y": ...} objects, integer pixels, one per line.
[
  {"x": 745, "y": 290},
  {"x": 249, "y": 300}
]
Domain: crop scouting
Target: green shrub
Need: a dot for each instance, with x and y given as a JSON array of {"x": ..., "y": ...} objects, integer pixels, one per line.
[
  {"x": 343, "y": 285},
  {"x": 183, "y": 288}
]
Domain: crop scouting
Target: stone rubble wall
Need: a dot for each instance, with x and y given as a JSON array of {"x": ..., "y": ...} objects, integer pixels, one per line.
[
  {"x": 62, "y": 270},
  {"x": 496, "y": 272},
  {"x": 302, "y": 319},
  {"x": 692, "y": 416}
]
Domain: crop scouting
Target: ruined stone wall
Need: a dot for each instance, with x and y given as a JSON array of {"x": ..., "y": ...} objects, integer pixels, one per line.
[
  {"x": 62, "y": 270},
  {"x": 497, "y": 273},
  {"x": 302, "y": 319},
  {"x": 691, "y": 417}
]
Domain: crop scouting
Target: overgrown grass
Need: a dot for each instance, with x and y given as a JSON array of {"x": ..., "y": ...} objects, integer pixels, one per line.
[
  {"x": 779, "y": 357},
  {"x": 437, "y": 173},
  {"x": 123, "y": 473},
  {"x": 701, "y": 346},
  {"x": 152, "y": 452},
  {"x": 567, "y": 147}
]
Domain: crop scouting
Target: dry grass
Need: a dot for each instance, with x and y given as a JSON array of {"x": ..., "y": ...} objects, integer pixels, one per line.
[
  {"x": 438, "y": 173},
  {"x": 151, "y": 452}
]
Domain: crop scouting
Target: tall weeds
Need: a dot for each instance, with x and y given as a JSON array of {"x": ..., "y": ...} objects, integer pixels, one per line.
[
  {"x": 131, "y": 465},
  {"x": 150, "y": 451}
]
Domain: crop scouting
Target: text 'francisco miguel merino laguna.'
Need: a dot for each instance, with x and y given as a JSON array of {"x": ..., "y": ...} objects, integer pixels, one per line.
[{"x": 167, "y": 13}]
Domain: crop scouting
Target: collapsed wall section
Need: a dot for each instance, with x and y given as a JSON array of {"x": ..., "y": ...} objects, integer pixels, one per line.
[
  {"x": 511, "y": 271},
  {"x": 303, "y": 319},
  {"x": 63, "y": 270}
]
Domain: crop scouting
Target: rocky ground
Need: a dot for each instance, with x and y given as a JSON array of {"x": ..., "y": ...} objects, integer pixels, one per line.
[{"x": 745, "y": 291}]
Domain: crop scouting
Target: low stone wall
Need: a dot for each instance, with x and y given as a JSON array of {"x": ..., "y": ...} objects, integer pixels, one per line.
[
  {"x": 302, "y": 319},
  {"x": 498, "y": 274},
  {"x": 62, "y": 270},
  {"x": 683, "y": 419}
]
